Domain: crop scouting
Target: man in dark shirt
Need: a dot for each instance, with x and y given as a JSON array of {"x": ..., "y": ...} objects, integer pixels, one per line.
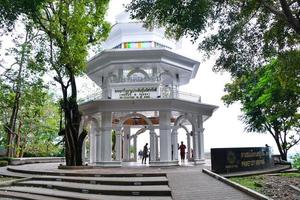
[
  {"x": 145, "y": 153},
  {"x": 182, "y": 148}
]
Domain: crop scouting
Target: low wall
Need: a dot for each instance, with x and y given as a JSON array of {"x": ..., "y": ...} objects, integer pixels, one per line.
[{"x": 22, "y": 161}]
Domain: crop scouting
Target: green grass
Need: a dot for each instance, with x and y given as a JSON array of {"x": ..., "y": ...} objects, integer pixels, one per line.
[
  {"x": 252, "y": 182},
  {"x": 296, "y": 174},
  {"x": 2, "y": 179}
]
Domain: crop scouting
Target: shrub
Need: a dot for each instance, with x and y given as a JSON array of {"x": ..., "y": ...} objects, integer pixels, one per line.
[
  {"x": 3, "y": 163},
  {"x": 296, "y": 161},
  {"x": 8, "y": 159}
]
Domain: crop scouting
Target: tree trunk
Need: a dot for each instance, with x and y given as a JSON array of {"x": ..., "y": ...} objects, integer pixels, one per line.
[
  {"x": 12, "y": 126},
  {"x": 283, "y": 152},
  {"x": 284, "y": 156},
  {"x": 18, "y": 141},
  {"x": 73, "y": 139},
  {"x": 13, "y": 119}
]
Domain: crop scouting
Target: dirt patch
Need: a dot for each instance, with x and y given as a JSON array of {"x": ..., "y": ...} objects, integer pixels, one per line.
[{"x": 277, "y": 187}]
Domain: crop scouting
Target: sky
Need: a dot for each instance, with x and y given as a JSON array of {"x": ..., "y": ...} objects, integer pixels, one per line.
[{"x": 223, "y": 129}]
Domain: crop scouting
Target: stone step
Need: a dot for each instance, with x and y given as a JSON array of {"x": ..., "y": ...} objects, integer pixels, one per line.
[
  {"x": 65, "y": 173},
  {"x": 159, "y": 180},
  {"x": 45, "y": 193},
  {"x": 21, "y": 195},
  {"x": 145, "y": 190},
  {"x": 5, "y": 172}
]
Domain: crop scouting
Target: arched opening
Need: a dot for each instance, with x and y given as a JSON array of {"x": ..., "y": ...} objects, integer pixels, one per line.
[
  {"x": 183, "y": 132},
  {"x": 137, "y": 142},
  {"x": 184, "y": 136},
  {"x": 131, "y": 130},
  {"x": 137, "y": 75}
]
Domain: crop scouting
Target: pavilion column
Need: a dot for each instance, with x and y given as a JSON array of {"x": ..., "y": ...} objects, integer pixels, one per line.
[
  {"x": 106, "y": 141},
  {"x": 156, "y": 147},
  {"x": 93, "y": 141},
  {"x": 165, "y": 141},
  {"x": 165, "y": 135},
  {"x": 201, "y": 137},
  {"x": 188, "y": 140},
  {"x": 174, "y": 145},
  {"x": 196, "y": 146},
  {"x": 118, "y": 146},
  {"x": 135, "y": 146},
  {"x": 199, "y": 141},
  {"x": 153, "y": 146},
  {"x": 97, "y": 143},
  {"x": 106, "y": 136},
  {"x": 126, "y": 143}
]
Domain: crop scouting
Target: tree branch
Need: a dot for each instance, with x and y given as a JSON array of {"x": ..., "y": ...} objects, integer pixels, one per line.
[
  {"x": 268, "y": 127},
  {"x": 272, "y": 9},
  {"x": 285, "y": 14},
  {"x": 294, "y": 143},
  {"x": 295, "y": 24}
]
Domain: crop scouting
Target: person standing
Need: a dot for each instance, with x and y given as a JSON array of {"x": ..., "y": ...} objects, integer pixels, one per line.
[
  {"x": 140, "y": 154},
  {"x": 182, "y": 148},
  {"x": 145, "y": 153}
]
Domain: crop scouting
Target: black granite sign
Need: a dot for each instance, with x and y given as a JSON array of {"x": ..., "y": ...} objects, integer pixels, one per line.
[{"x": 226, "y": 160}]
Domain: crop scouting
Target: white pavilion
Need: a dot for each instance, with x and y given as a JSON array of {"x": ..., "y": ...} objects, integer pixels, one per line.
[{"x": 139, "y": 74}]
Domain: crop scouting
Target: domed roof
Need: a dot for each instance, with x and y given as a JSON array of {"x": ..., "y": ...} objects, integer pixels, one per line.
[
  {"x": 129, "y": 31},
  {"x": 124, "y": 17}
]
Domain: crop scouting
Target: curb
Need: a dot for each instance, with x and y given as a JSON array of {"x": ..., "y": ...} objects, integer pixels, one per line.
[
  {"x": 32, "y": 160},
  {"x": 67, "y": 173},
  {"x": 103, "y": 182},
  {"x": 236, "y": 185},
  {"x": 253, "y": 173},
  {"x": 75, "y": 167}
]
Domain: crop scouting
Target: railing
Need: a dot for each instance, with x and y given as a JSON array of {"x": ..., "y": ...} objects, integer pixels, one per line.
[
  {"x": 188, "y": 96},
  {"x": 91, "y": 97},
  {"x": 174, "y": 94}
]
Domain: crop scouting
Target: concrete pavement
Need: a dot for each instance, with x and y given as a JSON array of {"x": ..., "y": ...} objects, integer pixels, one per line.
[{"x": 129, "y": 182}]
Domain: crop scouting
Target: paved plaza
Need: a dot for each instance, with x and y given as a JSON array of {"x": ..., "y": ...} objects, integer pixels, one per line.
[{"x": 133, "y": 181}]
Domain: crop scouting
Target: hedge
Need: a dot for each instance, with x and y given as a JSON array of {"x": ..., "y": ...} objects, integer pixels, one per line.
[{"x": 3, "y": 163}]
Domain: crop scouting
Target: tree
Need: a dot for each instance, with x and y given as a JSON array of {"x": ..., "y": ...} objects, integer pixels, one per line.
[
  {"x": 25, "y": 72},
  {"x": 28, "y": 114},
  {"x": 70, "y": 27},
  {"x": 36, "y": 122},
  {"x": 270, "y": 100},
  {"x": 10, "y": 10},
  {"x": 40, "y": 125},
  {"x": 245, "y": 33}
]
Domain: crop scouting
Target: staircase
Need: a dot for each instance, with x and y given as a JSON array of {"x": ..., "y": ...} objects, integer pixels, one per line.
[{"x": 99, "y": 186}]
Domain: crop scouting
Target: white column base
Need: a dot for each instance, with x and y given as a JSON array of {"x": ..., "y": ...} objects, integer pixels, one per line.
[
  {"x": 199, "y": 161},
  {"x": 163, "y": 163},
  {"x": 108, "y": 164}
]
